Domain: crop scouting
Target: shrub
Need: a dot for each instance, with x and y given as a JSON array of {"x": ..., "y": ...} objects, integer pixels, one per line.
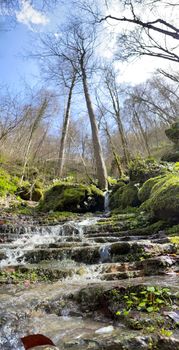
[{"x": 140, "y": 170}]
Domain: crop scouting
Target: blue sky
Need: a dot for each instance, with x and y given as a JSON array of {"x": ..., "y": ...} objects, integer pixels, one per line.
[
  {"x": 14, "y": 67},
  {"x": 23, "y": 37},
  {"x": 19, "y": 38}
]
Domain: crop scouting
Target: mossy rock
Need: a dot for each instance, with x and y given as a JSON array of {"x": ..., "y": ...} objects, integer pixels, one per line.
[
  {"x": 140, "y": 170},
  {"x": 171, "y": 156},
  {"x": 125, "y": 196},
  {"x": 27, "y": 194},
  {"x": 145, "y": 190},
  {"x": 173, "y": 133},
  {"x": 72, "y": 197},
  {"x": 119, "y": 184},
  {"x": 164, "y": 198}
]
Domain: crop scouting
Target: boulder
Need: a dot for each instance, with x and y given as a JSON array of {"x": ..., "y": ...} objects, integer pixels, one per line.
[
  {"x": 125, "y": 196},
  {"x": 140, "y": 170},
  {"x": 164, "y": 198},
  {"x": 72, "y": 197},
  {"x": 145, "y": 190}
]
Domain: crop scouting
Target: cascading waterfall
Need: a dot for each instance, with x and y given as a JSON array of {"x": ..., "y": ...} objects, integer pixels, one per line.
[
  {"x": 35, "y": 237},
  {"x": 32, "y": 239}
]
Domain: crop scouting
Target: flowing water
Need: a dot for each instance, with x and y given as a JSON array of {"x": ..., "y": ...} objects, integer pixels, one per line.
[{"x": 69, "y": 257}]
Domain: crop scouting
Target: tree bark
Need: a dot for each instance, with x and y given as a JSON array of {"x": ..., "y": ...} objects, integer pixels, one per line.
[
  {"x": 123, "y": 139},
  {"x": 143, "y": 133},
  {"x": 100, "y": 165},
  {"x": 115, "y": 155},
  {"x": 65, "y": 129}
]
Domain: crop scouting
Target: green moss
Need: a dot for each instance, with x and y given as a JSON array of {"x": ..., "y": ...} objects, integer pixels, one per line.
[
  {"x": 173, "y": 230},
  {"x": 164, "y": 198},
  {"x": 8, "y": 183},
  {"x": 173, "y": 133},
  {"x": 29, "y": 192},
  {"x": 140, "y": 170},
  {"x": 54, "y": 217},
  {"x": 145, "y": 190},
  {"x": 72, "y": 197},
  {"x": 124, "y": 197}
]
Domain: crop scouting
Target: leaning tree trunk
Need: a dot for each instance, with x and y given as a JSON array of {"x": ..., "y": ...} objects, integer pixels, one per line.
[
  {"x": 65, "y": 129},
  {"x": 100, "y": 165}
]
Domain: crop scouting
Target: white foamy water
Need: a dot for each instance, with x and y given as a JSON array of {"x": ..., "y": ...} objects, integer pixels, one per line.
[
  {"x": 42, "y": 236},
  {"x": 105, "y": 253}
]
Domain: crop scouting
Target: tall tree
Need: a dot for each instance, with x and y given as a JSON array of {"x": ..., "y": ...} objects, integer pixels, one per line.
[
  {"x": 57, "y": 68},
  {"x": 76, "y": 46},
  {"x": 115, "y": 110}
]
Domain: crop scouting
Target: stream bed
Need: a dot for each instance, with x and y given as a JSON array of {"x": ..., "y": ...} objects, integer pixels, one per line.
[{"x": 58, "y": 281}]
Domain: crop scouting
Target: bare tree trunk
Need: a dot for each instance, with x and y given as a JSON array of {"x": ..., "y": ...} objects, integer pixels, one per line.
[
  {"x": 100, "y": 165},
  {"x": 115, "y": 155},
  {"x": 35, "y": 125},
  {"x": 143, "y": 133},
  {"x": 65, "y": 129},
  {"x": 123, "y": 139},
  {"x": 111, "y": 85}
]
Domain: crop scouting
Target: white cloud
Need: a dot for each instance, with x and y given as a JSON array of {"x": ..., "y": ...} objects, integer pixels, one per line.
[{"x": 29, "y": 16}]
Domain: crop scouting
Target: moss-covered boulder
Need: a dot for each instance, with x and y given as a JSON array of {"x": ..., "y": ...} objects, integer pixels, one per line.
[
  {"x": 125, "y": 196},
  {"x": 145, "y": 190},
  {"x": 140, "y": 170},
  {"x": 72, "y": 197},
  {"x": 164, "y": 198}
]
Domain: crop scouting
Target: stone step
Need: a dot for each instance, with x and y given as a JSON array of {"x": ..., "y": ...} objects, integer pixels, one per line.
[
  {"x": 112, "y": 276},
  {"x": 116, "y": 252},
  {"x": 116, "y": 233},
  {"x": 54, "y": 270}
]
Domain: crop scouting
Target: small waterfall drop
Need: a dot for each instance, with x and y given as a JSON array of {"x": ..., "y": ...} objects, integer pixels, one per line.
[
  {"x": 106, "y": 201},
  {"x": 105, "y": 254}
]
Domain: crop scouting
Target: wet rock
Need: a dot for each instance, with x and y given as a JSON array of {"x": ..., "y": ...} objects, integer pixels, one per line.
[
  {"x": 157, "y": 265},
  {"x": 168, "y": 344}
]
